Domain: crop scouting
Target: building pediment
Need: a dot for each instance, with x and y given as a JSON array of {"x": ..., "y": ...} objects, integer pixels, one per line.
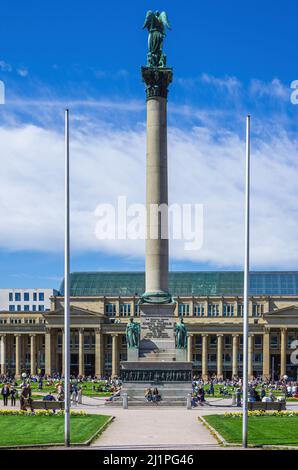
[
  {"x": 74, "y": 312},
  {"x": 290, "y": 311}
]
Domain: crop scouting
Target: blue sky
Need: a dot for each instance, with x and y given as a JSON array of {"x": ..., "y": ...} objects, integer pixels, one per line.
[{"x": 228, "y": 60}]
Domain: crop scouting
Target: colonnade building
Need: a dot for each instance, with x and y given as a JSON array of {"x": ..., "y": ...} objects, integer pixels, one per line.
[{"x": 211, "y": 304}]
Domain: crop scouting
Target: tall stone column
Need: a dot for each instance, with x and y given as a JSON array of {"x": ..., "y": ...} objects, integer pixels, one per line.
[
  {"x": 190, "y": 348},
  {"x": 81, "y": 352},
  {"x": 32, "y": 354},
  {"x": 235, "y": 355},
  {"x": 48, "y": 352},
  {"x": 283, "y": 352},
  {"x": 157, "y": 81},
  {"x": 99, "y": 353},
  {"x": 115, "y": 355},
  {"x": 266, "y": 353},
  {"x": 219, "y": 356},
  {"x": 204, "y": 357},
  {"x": 18, "y": 355},
  {"x": 3, "y": 354},
  {"x": 250, "y": 356}
]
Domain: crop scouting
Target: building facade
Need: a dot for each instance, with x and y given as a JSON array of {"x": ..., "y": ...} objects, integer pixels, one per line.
[
  {"x": 211, "y": 304},
  {"x": 26, "y": 300}
]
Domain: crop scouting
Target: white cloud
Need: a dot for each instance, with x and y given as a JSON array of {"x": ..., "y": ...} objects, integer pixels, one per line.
[
  {"x": 5, "y": 67},
  {"x": 205, "y": 166},
  {"x": 273, "y": 89},
  {"x": 228, "y": 84},
  {"x": 22, "y": 71}
]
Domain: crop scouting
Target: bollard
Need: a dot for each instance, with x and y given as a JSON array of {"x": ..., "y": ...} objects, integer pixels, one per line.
[
  {"x": 233, "y": 399},
  {"x": 188, "y": 401},
  {"x": 125, "y": 401}
]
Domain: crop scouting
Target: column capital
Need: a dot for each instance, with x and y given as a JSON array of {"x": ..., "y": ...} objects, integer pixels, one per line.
[
  {"x": 220, "y": 335},
  {"x": 157, "y": 81},
  {"x": 283, "y": 329},
  {"x": 32, "y": 335},
  {"x": 17, "y": 335},
  {"x": 204, "y": 335}
]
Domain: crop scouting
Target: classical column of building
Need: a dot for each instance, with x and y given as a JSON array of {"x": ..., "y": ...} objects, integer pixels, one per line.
[
  {"x": 250, "y": 356},
  {"x": 3, "y": 354},
  {"x": 190, "y": 347},
  {"x": 48, "y": 352},
  {"x": 81, "y": 352},
  {"x": 235, "y": 355},
  {"x": 115, "y": 355},
  {"x": 99, "y": 353},
  {"x": 204, "y": 356},
  {"x": 266, "y": 353},
  {"x": 18, "y": 355},
  {"x": 32, "y": 354},
  {"x": 219, "y": 356},
  {"x": 283, "y": 352}
]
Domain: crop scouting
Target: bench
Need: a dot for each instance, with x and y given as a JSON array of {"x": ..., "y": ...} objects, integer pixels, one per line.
[
  {"x": 266, "y": 406},
  {"x": 43, "y": 405}
]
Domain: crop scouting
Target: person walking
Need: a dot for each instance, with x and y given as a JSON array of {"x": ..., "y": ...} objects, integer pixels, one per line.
[
  {"x": 13, "y": 396},
  {"x": 5, "y": 392}
]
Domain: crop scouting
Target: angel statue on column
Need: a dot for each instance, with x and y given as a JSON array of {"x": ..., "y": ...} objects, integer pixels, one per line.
[{"x": 156, "y": 23}]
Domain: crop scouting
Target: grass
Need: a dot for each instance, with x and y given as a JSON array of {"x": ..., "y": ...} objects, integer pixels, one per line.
[
  {"x": 34, "y": 430},
  {"x": 87, "y": 389},
  {"x": 270, "y": 430}
]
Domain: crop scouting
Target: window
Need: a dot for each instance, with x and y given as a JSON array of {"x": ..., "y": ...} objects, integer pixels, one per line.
[
  {"x": 109, "y": 341},
  {"x": 197, "y": 358},
  {"x": 258, "y": 357},
  {"x": 228, "y": 341},
  {"x": 137, "y": 310},
  {"x": 12, "y": 308},
  {"x": 34, "y": 296},
  {"x": 41, "y": 308},
  {"x": 199, "y": 310},
  {"x": 18, "y": 308},
  {"x": 26, "y": 308},
  {"x": 10, "y": 297},
  {"x": 213, "y": 341},
  {"x": 110, "y": 310},
  {"x": 198, "y": 341},
  {"x": 273, "y": 341},
  {"x": 26, "y": 296},
  {"x": 240, "y": 310},
  {"x": 227, "y": 357},
  {"x": 41, "y": 296},
  {"x": 258, "y": 341},
  {"x": 87, "y": 340},
  {"x": 213, "y": 310},
  {"x": 211, "y": 357},
  {"x": 34, "y": 308},
  {"x": 123, "y": 341},
  {"x": 17, "y": 297},
  {"x": 183, "y": 310},
  {"x": 124, "y": 310},
  {"x": 257, "y": 310},
  {"x": 228, "y": 310}
]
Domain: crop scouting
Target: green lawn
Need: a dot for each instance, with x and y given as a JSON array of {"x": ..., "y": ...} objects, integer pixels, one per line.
[
  {"x": 28, "y": 430},
  {"x": 87, "y": 389},
  {"x": 271, "y": 430}
]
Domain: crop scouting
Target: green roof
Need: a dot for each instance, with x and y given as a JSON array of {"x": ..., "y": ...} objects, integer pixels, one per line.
[{"x": 183, "y": 283}]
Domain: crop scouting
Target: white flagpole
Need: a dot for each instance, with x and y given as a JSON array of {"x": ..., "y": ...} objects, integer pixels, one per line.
[
  {"x": 246, "y": 287},
  {"x": 66, "y": 292}
]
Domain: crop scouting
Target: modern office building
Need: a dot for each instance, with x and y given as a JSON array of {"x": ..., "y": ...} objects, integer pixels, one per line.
[
  {"x": 26, "y": 300},
  {"x": 210, "y": 302}
]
